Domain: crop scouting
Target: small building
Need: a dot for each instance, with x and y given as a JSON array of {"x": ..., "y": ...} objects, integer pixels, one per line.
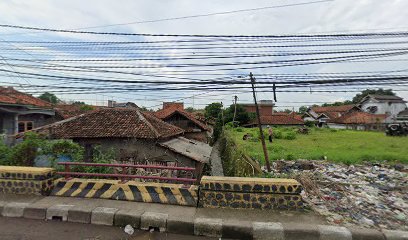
[
  {"x": 20, "y": 112},
  {"x": 122, "y": 105},
  {"x": 359, "y": 121},
  {"x": 174, "y": 113},
  {"x": 383, "y": 104},
  {"x": 277, "y": 120},
  {"x": 402, "y": 116},
  {"x": 321, "y": 115},
  {"x": 132, "y": 135},
  {"x": 265, "y": 107}
]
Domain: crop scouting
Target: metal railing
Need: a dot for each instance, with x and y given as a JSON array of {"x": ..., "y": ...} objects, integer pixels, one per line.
[{"x": 125, "y": 177}]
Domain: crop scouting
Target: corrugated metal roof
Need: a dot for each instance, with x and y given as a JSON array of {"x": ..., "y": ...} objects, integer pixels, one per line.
[{"x": 195, "y": 150}]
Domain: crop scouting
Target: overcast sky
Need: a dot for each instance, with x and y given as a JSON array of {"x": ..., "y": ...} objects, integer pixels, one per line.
[{"x": 323, "y": 17}]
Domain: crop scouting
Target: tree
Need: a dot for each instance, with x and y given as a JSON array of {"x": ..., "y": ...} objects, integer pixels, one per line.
[
  {"x": 213, "y": 110},
  {"x": 303, "y": 109},
  {"x": 49, "y": 97},
  {"x": 242, "y": 116},
  {"x": 363, "y": 94},
  {"x": 78, "y": 103},
  {"x": 189, "y": 109}
]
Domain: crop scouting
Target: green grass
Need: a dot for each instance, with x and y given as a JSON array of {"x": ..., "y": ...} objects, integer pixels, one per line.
[{"x": 344, "y": 146}]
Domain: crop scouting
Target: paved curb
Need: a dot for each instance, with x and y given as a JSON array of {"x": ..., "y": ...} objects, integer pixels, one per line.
[{"x": 211, "y": 227}]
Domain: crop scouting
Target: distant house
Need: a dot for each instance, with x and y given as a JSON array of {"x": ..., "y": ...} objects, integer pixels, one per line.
[
  {"x": 174, "y": 113},
  {"x": 122, "y": 105},
  {"x": 279, "y": 119},
  {"x": 383, "y": 104},
  {"x": 358, "y": 121},
  {"x": 133, "y": 135},
  {"x": 64, "y": 111},
  {"x": 20, "y": 112},
  {"x": 321, "y": 115},
  {"x": 265, "y": 107}
]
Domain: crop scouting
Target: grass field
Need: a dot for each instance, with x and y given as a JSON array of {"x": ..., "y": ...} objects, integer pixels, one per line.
[{"x": 345, "y": 146}]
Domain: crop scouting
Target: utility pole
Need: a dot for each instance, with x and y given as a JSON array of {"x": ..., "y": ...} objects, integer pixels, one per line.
[
  {"x": 268, "y": 165},
  {"x": 235, "y": 109}
]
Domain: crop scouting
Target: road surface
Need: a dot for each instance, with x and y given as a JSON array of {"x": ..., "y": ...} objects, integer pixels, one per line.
[{"x": 28, "y": 229}]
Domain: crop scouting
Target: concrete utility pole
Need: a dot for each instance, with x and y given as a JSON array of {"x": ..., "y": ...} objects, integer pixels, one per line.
[
  {"x": 235, "y": 109},
  {"x": 268, "y": 165}
]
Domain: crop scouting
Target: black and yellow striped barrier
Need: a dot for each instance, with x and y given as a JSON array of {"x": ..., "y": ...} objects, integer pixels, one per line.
[
  {"x": 175, "y": 194},
  {"x": 26, "y": 180}
]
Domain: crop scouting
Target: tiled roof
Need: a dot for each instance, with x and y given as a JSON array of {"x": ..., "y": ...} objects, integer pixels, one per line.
[
  {"x": 9, "y": 95},
  {"x": 168, "y": 112},
  {"x": 278, "y": 120},
  {"x": 113, "y": 122},
  {"x": 386, "y": 97},
  {"x": 343, "y": 108},
  {"x": 359, "y": 118},
  {"x": 72, "y": 110}
]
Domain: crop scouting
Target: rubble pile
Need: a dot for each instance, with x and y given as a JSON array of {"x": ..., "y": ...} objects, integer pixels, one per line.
[{"x": 368, "y": 195}]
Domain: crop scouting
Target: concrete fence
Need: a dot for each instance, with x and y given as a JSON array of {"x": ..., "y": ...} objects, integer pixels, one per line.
[
  {"x": 213, "y": 192},
  {"x": 26, "y": 180}
]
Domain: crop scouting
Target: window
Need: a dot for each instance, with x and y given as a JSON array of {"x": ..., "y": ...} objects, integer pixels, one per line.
[{"x": 25, "y": 126}]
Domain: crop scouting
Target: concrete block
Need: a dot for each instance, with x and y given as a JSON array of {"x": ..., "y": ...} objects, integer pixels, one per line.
[
  {"x": 125, "y": 217},
  {"x": 210, "y": 227},
  {"x": 154, "y": 220},
  {"x": 395, "y": 235},
  {"x": 366, "y": 234},
  {"x": 295, "y": 231},
  {"x": 103, "y": 216},
  {"x": 180, "y": 225},
  {"x": 268, "y": 231},
  {"x": 2, "y": 204},
  {"x": 237, "y": 230},
  {"x": 35, "y": 212},
  {"x": 58, "y": 212},
  {"x": 334, "y": 233},
  {"x": 14, "y": 209},
  {"x": 80, "y": 214}
]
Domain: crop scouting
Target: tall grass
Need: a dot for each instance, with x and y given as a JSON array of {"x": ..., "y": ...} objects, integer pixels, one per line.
[{"x": 346, "y": 146}]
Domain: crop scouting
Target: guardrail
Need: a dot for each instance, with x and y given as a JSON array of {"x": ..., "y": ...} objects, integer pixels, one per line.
[{"x": 125, "y": 177}]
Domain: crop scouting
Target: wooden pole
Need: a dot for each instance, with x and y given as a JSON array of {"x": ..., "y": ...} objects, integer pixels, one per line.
[
  {"x": 235, "y": 109},
  {"x": 268, "y": 165}
]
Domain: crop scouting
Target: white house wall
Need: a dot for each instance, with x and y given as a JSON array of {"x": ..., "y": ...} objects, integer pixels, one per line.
[{"x": 384, "y": 108}]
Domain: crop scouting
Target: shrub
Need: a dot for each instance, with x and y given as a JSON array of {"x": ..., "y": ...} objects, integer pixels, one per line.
[
  {"x": 57, "y": 148},
  {"x": 290, "y": 136},
  {"x": 309, "y": 123},
  {"x": 24, "y": 153},
  {"x": 4, "y": 154},
  {"x": 239, "y": 129},
  {"x": 277, "y": 134},
  {"x": 290, "y": 157}
]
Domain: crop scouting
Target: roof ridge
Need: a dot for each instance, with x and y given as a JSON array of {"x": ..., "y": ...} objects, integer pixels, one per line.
[{"x": 151, "y": 127}]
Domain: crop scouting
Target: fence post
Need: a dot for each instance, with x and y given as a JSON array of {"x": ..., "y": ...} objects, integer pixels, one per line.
[{"x": 67, "y": 169}]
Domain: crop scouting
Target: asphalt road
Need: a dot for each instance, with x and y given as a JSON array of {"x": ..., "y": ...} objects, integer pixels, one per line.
[{"x": 28, "y": 229}]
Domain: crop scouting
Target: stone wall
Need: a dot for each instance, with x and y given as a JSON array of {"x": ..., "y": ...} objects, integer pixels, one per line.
[
  {"x": 26, "y": 180},
  {"x": 256, "y": 193}
]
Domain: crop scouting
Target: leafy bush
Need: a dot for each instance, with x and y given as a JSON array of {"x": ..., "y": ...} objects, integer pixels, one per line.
[
  {"x": 290, "y": 136},
  {"x": 290, "y": 157},
  {"x": 24, "y": 153},
  {"x": 57, "y": 148},
  {"x": 309, "y": 123},
  {"x": 240, "y": 129},
  {"x": 277, "y": 134},
  {"x": 4, "y": 154}
]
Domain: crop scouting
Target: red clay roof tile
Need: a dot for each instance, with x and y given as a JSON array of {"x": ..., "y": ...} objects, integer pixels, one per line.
[{"x": 9, "y": 95}]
